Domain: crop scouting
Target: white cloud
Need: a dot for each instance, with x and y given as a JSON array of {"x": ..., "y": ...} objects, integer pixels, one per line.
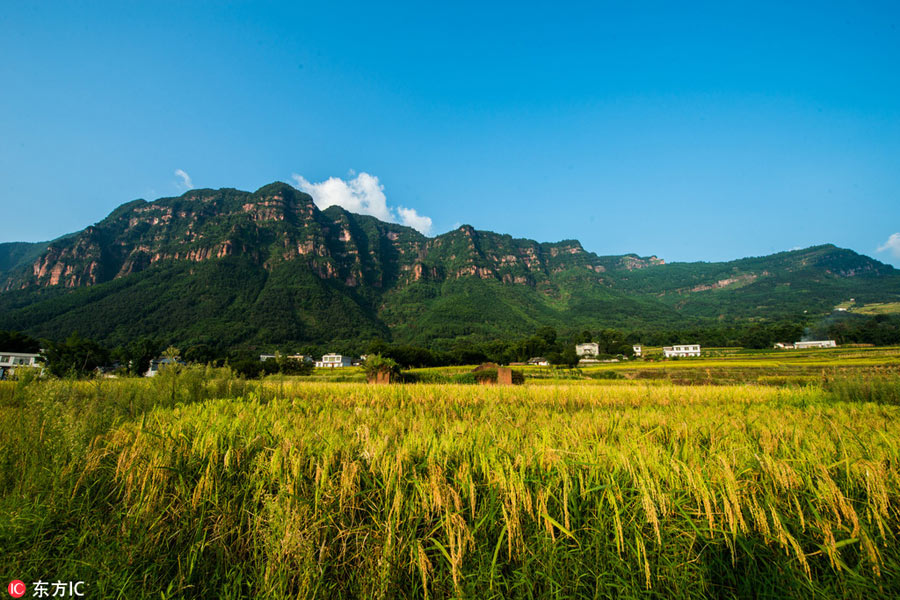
[
  {"x": 892, "y": 244},
  {"x": 362, "y": 194},
  {"x": 186, "y": 182},
  {"x": 410, "y": 218}
]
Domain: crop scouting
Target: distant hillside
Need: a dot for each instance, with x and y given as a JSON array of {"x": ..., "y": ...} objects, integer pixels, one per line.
[
  {"x": 814, "y": 279},
  {"x": 227, "y": 267},
  {"x": 14, "y": 255}
]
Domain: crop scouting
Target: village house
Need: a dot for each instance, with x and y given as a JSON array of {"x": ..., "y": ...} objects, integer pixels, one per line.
[
  {"x": 10, "y": 361},
  {"x": 783, "y": 346},
  {"x": 681, "y": 351},
  {"x": 815, "y": 344},
  {"x": 587, "y": 349},
  {"x": 334, "y": 361},
  {"x": 539, "y": 361},
  {"x": 298, "y": 357},
  {"x": 158, "y": 363},
  {"x": 638, "y": 349}
]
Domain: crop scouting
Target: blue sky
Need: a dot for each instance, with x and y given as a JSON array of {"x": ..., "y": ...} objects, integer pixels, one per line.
[{"x": 693, "y": 131}]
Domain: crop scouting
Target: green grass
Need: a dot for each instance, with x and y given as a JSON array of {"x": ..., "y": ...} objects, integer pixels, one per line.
[{"x": 197, "y": 484}]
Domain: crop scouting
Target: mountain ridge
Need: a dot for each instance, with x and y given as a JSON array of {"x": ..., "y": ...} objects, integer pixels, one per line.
[{"x": 270, "y": 265}]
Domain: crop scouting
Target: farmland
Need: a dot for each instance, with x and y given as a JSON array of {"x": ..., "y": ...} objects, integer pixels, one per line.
[
  {"x": 734, "y": 476},
  {"x": 880, "y": 308}
]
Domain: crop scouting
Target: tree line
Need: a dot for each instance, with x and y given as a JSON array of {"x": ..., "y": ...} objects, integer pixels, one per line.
[{"x": 81, "y": 356}]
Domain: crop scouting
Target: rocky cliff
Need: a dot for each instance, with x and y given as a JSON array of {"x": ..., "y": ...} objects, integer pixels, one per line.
[{"x": 237, "y": 266}]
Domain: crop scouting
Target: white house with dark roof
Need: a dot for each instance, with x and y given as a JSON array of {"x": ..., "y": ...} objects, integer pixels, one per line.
[
  {"x": 159, "y": 363},
  {"x": 297, "y": 357},
  {"x": 681, "y": 351},
  {"x": 10, "y": 361},
  {"x": 334, "y": 361},
  {"x": 815, "y": 344},
  {"x": 587, "y": 349}
]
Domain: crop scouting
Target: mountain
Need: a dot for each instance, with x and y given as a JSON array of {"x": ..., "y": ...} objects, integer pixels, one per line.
[
  {"x": 812, "y": 280},
  {"x": 19, "y": 254},
  {"x": 227, "y": 267}
]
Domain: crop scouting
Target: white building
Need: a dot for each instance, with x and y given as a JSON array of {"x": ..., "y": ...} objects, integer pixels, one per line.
[
  {"x": 815, "y": 344},
  {"x": 638, "y": 349},
  {"x": 679, "y": 351},
  {"x": 334, "y": 361},
  {"x": 783, "y": 346},
  {"x": 10, "y": 361},
  {"x": 539, "y": 361},
  {"x": 588, "y": 349},
  {"x": 297, "y": 357},
  {"x": 157, "y": 364}
]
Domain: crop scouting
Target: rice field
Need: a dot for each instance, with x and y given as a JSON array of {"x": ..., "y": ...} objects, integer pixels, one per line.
[{"x": 201, "y": 485}]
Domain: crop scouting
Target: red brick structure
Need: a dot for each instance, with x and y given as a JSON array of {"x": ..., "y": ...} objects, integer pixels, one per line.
[
  {"x": 381, "y": 377},
  {"x": 492, "y": 374}
]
